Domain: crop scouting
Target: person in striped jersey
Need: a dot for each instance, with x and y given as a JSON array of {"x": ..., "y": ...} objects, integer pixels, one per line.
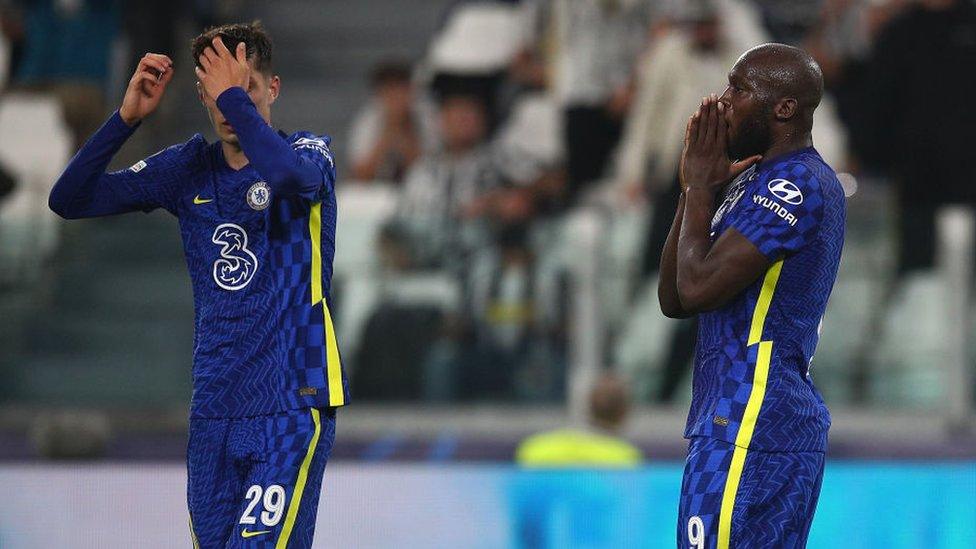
[
  {"x": 257, "y": 213},
  {"x": 754, "y": 251}
]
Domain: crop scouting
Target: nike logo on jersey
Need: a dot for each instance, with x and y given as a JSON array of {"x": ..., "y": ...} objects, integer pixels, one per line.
[
  {"x": 245, "y": 534},
  {"x": 198, "y": 200}
]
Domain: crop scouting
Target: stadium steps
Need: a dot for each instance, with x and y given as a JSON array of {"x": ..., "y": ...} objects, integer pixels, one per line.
[
  {"x": 119, "y": 318},
  {"x": 325, "y": 56}
]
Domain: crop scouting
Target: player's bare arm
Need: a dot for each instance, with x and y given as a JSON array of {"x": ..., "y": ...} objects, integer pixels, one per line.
[
  {"x": 709, "y": 275},
  {"x": 667, "y": 283},
  {"x": 146, "y": 87}
]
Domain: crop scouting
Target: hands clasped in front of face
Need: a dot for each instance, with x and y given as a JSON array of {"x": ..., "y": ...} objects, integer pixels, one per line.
[{"x": 705, "y": 161}]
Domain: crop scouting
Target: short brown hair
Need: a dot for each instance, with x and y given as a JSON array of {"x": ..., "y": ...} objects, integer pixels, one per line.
[{"x": 255, "y": 38}]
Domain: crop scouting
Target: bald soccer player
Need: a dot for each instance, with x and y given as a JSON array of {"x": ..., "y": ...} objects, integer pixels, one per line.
[{"x": 754, "y": 250}]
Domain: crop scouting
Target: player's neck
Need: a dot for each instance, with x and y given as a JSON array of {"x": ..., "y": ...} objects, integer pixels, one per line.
[
  {"x": 787, "y": 144},
  {"x": 233, "y": 155}
]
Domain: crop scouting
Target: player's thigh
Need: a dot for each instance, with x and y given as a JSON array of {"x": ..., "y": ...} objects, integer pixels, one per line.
[
  {"x": 702, "y": 487},
  {"x": 777, "y": 499},
  {"x": 212, "y": 483},
  {"x": 280, "y": 500}
]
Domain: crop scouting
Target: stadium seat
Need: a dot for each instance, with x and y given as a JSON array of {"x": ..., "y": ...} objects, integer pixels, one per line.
[{"x": 28, "y": 229}]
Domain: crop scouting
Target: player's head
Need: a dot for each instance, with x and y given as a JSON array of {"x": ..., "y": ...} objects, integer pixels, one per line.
[
  {"x": 772, "y": 93},
  {"x": 609, "y": 402},
  {"x": 264, "y": 85}
]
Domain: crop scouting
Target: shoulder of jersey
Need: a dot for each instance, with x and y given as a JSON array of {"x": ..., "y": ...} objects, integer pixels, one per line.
[
  {"x": 309, "y": 138},
  {"x": 312, "y": 142}
]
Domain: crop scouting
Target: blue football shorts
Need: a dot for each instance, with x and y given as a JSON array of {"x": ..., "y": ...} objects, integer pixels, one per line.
[
  {"x": 747, "y": 499},
  {"x": 255, "y": 482}
]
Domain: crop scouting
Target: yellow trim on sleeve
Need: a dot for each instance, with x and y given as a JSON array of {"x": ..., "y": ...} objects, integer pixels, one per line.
[
  {"x": 296, "y": 497},
  {"x": 333, "y": 367},
  {"x": 747, "y": 426},
  {"x": 332, "y": 362},
  {"x": 315, "y": 232}
]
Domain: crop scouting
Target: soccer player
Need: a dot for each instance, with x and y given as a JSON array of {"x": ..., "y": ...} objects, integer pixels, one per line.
[
  {"x": 257, "y": 213},
  {"x": 753, "y": 251}
]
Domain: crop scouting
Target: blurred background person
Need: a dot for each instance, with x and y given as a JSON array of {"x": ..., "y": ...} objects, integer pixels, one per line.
[
  {"x": 563, "y": 496},
  {"x": 66, "y": 51},
  {"x": 596, "y": 45},
  {"x": 445, "y": 192},
  {"x": 917, "y": 68},
  {"x": 599, "y": 444},
  {"x": 702, "y": 39},
  {"x": 392, "y": 130}
]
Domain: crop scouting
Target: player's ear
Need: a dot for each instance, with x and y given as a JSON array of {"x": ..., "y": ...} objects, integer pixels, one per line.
[
  {"x": 785, "y": 109},
  {"x": 200, "y": 92},
  {"x": 274, "y": 88}
]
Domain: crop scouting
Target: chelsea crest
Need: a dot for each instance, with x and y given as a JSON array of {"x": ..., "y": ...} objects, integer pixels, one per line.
[{"x": 259, "y": 196}]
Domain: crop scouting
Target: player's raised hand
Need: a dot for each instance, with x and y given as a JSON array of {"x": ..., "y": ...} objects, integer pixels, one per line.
[
  {"x": 221, "y": 70},
  {"x": 146, "y": 87},
  {"x": 704, "y": 161}
]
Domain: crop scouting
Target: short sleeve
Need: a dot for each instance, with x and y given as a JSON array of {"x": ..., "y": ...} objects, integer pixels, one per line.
[
  {"x": 781, "y": 212},
  {"x": 315, "y": 149}
]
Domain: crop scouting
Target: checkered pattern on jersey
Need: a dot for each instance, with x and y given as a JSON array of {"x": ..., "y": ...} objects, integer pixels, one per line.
[
  {"x": 303, "y": 324},
  {"x": 773, "y": 506},
  {"x": 792, "y": 416},
  {"x": 764, "y": 218},
  {"x": 226, "y": 457},
  {"x": 262, "y": 348}
]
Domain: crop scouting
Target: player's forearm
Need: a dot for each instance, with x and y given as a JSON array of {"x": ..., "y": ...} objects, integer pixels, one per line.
[
  {"x": 76, "y": 193},
  {"x": 695, "y": 274},
  {"x": 285, "y": 171},
  {"x": 667, "y": 285}
]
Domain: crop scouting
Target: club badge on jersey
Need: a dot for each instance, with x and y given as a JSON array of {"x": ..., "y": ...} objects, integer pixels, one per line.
[{"x": 259, "y": 196}]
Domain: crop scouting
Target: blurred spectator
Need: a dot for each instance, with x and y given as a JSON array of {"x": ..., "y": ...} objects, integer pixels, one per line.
[
  {"x": 922, "y": 66},
  {"x": 391, "y": 132},
  {"x": 686, "y": 64},
  {"x": 841, "y": 42},
  {"x": 66, "y": 51},
  {"x": 597, "y": 43},
  {"x": 600, "y": 445},
  {"x": 7, "y": 183},
  {"x": 151, "y": 26},
  {"x": 472, "y": 51},
  {"x": 11, "y": 40},
  {"x": 445, "y": 192},
  {"x": 789, "y": 21},
  {"x": 439, "y": 225},
  {"x": 515, "y": 313}
]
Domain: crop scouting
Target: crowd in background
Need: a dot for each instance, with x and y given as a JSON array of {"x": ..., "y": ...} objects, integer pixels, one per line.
[{"x": 522, "y": 112}]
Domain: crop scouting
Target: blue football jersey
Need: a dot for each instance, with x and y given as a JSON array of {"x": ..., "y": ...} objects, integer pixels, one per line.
[
  {"x": 752, "y": 384},
  {"x": 260, "y": 264}
]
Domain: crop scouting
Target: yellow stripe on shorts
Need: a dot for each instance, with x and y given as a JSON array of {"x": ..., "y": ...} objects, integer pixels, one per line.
[{"x": 296, "y": 496}]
